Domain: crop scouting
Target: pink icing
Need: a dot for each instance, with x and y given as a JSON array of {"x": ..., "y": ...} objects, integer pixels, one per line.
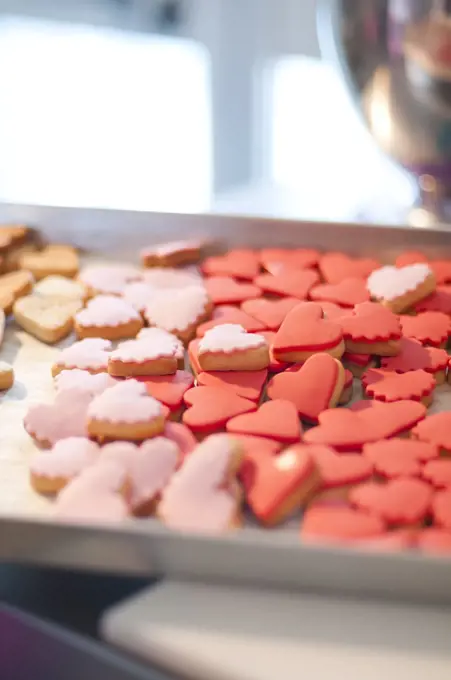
[
  {"x": 109, "y": 279},
  {"x": 126, "y": 402},
  {"x": 154, "y": 332},
  {"x": 165, "y": 277},
  {"x": 66, "y": 417},
  {"x": 67, "y": 458},
  {"x": 388, "y": 283},
  {"x": 195, "y": 498},
  {"x": 138, "y": 294},
  {"x": 89, "y": 353},
  {"x": 94, "y": 383},
  {"x": 229, "y": 337},
  {"x": 106, "y": 310},
  {"x": 182, "y": 436},
  {"x": 145, "y": 350},
  {"x": 177, "y": 309}
]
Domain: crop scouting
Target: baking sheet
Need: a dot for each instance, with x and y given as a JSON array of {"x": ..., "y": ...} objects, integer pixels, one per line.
[{"x": 252, "y": 555}]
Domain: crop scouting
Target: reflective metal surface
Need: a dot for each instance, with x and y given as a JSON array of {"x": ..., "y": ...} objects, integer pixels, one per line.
[{"x": 395, "y": 56}]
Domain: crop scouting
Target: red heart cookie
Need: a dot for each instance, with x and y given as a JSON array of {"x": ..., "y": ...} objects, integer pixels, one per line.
[
  {"x": 229, "y": 314},
  {"x": 398, "y": 502},
  {"x": 339, "y": 473},
  {"x": 371, "y": 329},
  {"x": 312, "y": 388},
  {"x": 336, "y": 267},
  {"x": 436, "y": 429},
  {"x": 439, "y": 301},
  {"x": 332, "y": 311},
  {"x": 223, "y": 290},
  {"x": 275, "y": 260},
  {"x": 254, "y": 448},
  {"x": 438, "y": 472},
  {"x": 441, "y": 508},
  {"x": 429, "y": 328},
  {"x": 281, "y": 484},
  {"x": 305, "y": 332},
  {"x": 346, "y": 293},
  {"x": 275, "y": 366},
  {"x": 414, "y": 356},
  {"x": 388, "y": 386},
  {"x": 247, "y": 384},
  {"x": 241, "y": 264},
  {"x": 289, "y": 283},
  {"x": 399, "y": 457},
  {"x": 270, "y": 313},
  {"x": 211, "y": 408},
  {"x": 324, "y": 522},
  {"x": 275, "y": 419},
  {"x": 349, "y": 430},
  {"x": 434, "y": 541},
  {"x": 169, "y": 389}
]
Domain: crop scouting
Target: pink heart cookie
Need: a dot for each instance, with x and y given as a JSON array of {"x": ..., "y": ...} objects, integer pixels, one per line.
[
  {"x": 108, "y": 279},
  {"x": 138, "y": 294},
  {"x": 144, "y": 357},
  {"x": 154, "y": 332},
  {"x": 167, "y": 278},
  {"x": 94, "y": 383},
  {"x": 51, "y": 471},
  {"x": 90, "y": 354},
  {"x": 125, "y": 411},
  {"x": 179, "y": 311},
  {"x": 109, "y": 317},
  {"x": 182, "y": 436},
  {"x": 66, "y": 417},
  {"x": 230, "y": 348},
  {"x": 202, "y": 496},
  {"x": 400, "y": 289}
]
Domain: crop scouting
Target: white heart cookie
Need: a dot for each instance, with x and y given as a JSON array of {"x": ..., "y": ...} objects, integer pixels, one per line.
[
  {"x": 178, "y": 311},
  {"x": 389, "y": 283},
  {"x": 154, "y": 332},
  {"x": 126, "y": 402},
  {"x": 94, "y": 383},
  {"x": 90, "y": 354},
  {"x": 230, "y": 337},
  {"x": 107, "y": 310},
  {"x": 60, "y": 286}
]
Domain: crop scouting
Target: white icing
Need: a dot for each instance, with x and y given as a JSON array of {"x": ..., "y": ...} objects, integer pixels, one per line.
[
  {"x": 138, "y": 294},
  {"x": 94, "y": 383},
  {"x": 154, "y": 332},
  {"x": 88, "y": 353},
  {"x": 164, "y": 277},
  {"x": 229, "y": 338},
  {"x": 60, "y": 285},
  {"x": 67, "y": 458},
  {"x": 106, "y": 310},
  {"x": 144, "y": 350},
  {"x": 47, "y": 311},
  {"x": 177, "y": 309},
  {"x": 388, "y": 283},
  {"x": 126, "y": 402}
]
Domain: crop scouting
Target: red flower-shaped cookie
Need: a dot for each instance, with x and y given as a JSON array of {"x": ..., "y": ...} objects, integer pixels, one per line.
[
  {"x": 440, "y": 301},
  {"x": 437, "y": 430},
  {"x": 388, "y": 386},
  {"x": 441, "y": 508},
  {"x": 346, "y": 293},
  {"x": 335, "y": 523},
  {"x": 241, "y": 264},
  {"x": 223, "y": 290},
  {"x": 438, "y": 472},
  {"x": 350, "y": 430},
  {"x": 312, "y": 388},
  {"x": 169, "y": 389},
  {"x": 339, "y": 473},
  {"x": 211, "y": 408},
  {"x": 429, "y": 328},
  {"x": 304, "y": 332},
  {"x": 270, "y": 313},
  {"x": 398, "y": 502},
  {"x": 229, "y": 314},
  {"x": 371, "y": 329},
  {"x": 414, "y": 356},
  {"x": 289, "y": 283},
  {"x": 400, "y": 457},
  {"x": 275, "y": 260},
  {"x": 247, "y": 384},
  {"x": 275, "y": 419},
  {"x": 336, "y": 267}
]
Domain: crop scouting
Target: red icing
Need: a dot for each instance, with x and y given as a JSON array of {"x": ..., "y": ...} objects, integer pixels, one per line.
[
  {"x": 358, "y": 359},
  {"x": 309, "y": 387},
  {"x": 399, "y": 457},
  {"x": 349, "y": 430},
  {"x": 332, "y": 311},
  {"x": 439, "y": 301},
  {"x": 388, "y": 386},
  {"x": 274, "y": 419},
  {"x": 410, "y": 257},
  {"x": 370, "y": 322},
  {"x": 275, "y": 260},
  {"x": 275, "y": 366},
  {"x": 169, "y": 389},
  {"x": 398, "y": 502},
  {"x": 347, "y": 293},
  {"x": 241, "y": 264},
  {"x": 441, "y": 508},
  {"x": 429, "y": 328},
  {"x": 414, "y": 356},
  {"x": 438, "y": 472},
  {"x": 247, "y": 384},
  {"x": 270, "y": 313},
  {"x": 335, "y": 267},
  {"x": 435, "y": 429},
  {"x": 331, "y": 522},
  {"x": 254, "y": 448},
  {"x": 289, "y": 283},
  {"x": 211, "y": 408},
  {"x": 224, "y": 290},
  {"x": 305, "y": 329},
  {"x": 229, "y": 314},
  {"x": 340, "y": 469},
  {"x": 434, "y": 540}
]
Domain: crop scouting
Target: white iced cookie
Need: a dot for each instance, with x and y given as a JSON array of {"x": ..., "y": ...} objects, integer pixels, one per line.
[
  {"x": 62, "y": 286},
  {"x": 401, "y": 288},
  {"x": 231, "y": 348},
  {"x": 90, "y": 354},
  {"x": 179, "y": 311}
]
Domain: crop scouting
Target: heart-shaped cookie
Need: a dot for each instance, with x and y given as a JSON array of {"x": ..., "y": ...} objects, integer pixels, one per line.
[
  {"x": 51, "y": 471},
  {"x": 305, "y": 332},
  {"x": 434, "y": 540},
  {"x": 312, "y": 388},
  {"x": 165, "y": 278},
  {"x": 53, "y": 259},
  {"x": 388, "y": 386},
  {"x": 182, "y": 436},
  {"x": 202, "y": 496},
  {"x": 437, "y": 472},
  {"x": 169, "y": 389},
  {"x": 154, "y": 332},
  {"x": 438, "y": 301},
  {"x": 429, "y": 328},
  {"x": 399, "y": 502},
  {"x": 254, "y": 448},
  {"x": 179, "y": 311},
  {"x": 275, "y": 419},
  {"x": 371, "y": 329},
  {"x": 138, "y": 294},
  {"x": 143, "y": 358},
  {"x": 61, "y": 287},
  {"x": 223, "y": 290},
  {"x": 281, "y": 484},
  {"x": 90, "y": 355},
  {"x": 240, "y": 264},
  {"x": 275, "y": 260},
  {"x": 336, "y": 267},
  {"x": 275, "y": 366},
  {"x": 108, "y": 317},
  {"x": 436, "y": 429},
  {"x": 229, "y": 314},
  {"x": 14, "y": 286},
  {"x": 400, "y": 289},
  {"x": 441, "y": 268},
  {"x": 230, "y": 348},
  {"x": 49, "y": 319},
  {"x": 66, "y": 417},
  {"x": 289, "y": 283},
  {"x": 270, "y": 313},
  {"x": 108, "y": 279},
  {"x": 441, "y": 508},
  {"x": 413, "y": 356},
  {"x": 337, "y": 524},
  {"x": 350, "y": 430},
  {"x": 358, "y": 363},
  {"x": 211, "y": 408},
  {"x": 346, "y": 293},
  {"x": 399, "y": 457},
  {"x": 172, "y": 254},
  {"x": 338, "y": 473},
  {"x": 246, "y": 384},
  {"x": 94, "y": 383}
]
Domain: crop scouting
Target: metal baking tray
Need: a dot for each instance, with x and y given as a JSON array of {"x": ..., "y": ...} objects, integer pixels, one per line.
[{"x": 251, "y": 556}]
